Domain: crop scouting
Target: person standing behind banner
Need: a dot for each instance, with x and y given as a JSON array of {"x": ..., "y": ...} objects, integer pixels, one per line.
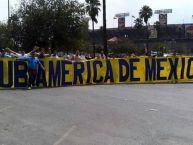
[
  {"x": 42, "y": 53},
  {"x": 5, "y": 53},
  {"x": 76, "y": 57},
  {"x": 102, "y": 55},
  {"x": 33, "y": 63},
  {"x": 23, "y": 55}
]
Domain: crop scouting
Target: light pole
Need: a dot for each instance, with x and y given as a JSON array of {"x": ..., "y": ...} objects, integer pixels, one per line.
[
  {"x": 104, "y": 29},
  {"x": 121, "y": 17},
  {"x": 8, "y": 10}
]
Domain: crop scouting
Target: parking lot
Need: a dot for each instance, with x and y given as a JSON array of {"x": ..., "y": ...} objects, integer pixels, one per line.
[{"x": 159, "y": 114}]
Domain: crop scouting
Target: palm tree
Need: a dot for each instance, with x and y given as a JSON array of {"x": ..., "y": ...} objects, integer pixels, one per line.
[
  {"x": 138, "y": 23},
  {"x": 92, "y": 8},
  {"x": 145, "y": 13}
]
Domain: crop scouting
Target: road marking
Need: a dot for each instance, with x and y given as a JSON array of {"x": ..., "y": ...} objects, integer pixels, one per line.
[
  {"x": 153, "y": 110},
  {"x": 5, "y": 108},
  {"x": 65, "y": 135}
]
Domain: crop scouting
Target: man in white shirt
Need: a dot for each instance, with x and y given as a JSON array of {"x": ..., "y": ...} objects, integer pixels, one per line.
[{"x": 22, "y": 55}]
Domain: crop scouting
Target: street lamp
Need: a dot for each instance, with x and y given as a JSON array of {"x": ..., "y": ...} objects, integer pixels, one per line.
[
  {"x": 121, "y": 19},
  {"x": 8, "y": 10},
  {"x": 104, "y": 29}
]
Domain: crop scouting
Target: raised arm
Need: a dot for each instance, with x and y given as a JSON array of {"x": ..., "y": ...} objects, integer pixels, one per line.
[
  {"x": 34, "y": 49},
  {"x": 11, "y": 51}
]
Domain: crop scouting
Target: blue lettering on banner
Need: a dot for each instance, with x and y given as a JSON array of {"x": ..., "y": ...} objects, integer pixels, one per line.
[
  {"x": 150, "y": 70},
  {"x": 20, "y": 74},
  {"x": 173, "y": 70},
  {"x": 88, "y": 81},
  {"x": 54, "y": 76},
  {"x": 189, "y": 76},
  {"x": 182, "y": 68},
  {"x": 133, "y": 68},
  {"x": 109, "y": 72},
  {"x": 123, "y": 64},
  {"x": 63, "y": 72},
  {"x": 160, "y": 68},
  {"x": 95, "y": 64},
  {"x": 78, "y": 70},
  {"x": 10, "y": 75}
]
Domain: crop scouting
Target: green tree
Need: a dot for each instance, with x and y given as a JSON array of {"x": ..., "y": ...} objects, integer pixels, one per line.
[
  {"x": 146, "y": 13},
  {"x": 48, "y": 23},
  {"x": 92, "y": 8},
  {"x": 138, "y": 23},
  {"x": 123, "y": 46},
  {"x": 3, "y": 35}
]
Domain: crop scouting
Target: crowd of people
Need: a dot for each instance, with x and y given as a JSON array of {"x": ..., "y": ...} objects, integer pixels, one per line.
[
  {"x": 32, "y": 59},
  {"x": 77, "y": 56},
  {"x": 41, "y": 53}
]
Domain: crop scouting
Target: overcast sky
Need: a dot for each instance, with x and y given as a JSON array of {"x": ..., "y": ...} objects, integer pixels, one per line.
[{"x": 182, "y": 10}]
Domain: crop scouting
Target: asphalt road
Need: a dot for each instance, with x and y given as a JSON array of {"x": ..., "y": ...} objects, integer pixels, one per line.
[{"x": 98, "y": 115}]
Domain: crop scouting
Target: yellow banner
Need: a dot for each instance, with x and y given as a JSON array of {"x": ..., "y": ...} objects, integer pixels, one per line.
[{"x": 60, "y": 72}]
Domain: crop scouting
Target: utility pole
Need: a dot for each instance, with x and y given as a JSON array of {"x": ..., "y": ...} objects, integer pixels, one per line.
[
  {"x": 8, "y": 13},
  {"x": 8, "y": 10},
  {"x": 104, "y": 29}
]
